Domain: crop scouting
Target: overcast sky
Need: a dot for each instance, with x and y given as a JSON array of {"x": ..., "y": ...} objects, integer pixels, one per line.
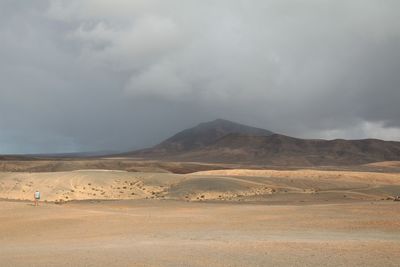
[{"x": 85, "y": 75}]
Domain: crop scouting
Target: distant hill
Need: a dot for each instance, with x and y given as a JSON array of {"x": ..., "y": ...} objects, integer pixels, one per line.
[
  {"x": 226, "y": 141},
  {"x": 16, "y": 157},
  {"x": 204, "y": 135}
]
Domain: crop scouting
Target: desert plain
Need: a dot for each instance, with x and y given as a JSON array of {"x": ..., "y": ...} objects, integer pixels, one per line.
[{"x": 126, "y": 212}]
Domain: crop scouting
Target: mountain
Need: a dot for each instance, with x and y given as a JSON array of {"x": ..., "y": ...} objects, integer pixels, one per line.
[
  {"x": 284, "y": 150},
  {"x": 204, "y": 135},
  {"x": 226, "y": 141}
]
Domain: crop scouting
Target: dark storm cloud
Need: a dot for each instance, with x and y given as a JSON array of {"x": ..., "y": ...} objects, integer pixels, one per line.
[{"x": 98, "y": 75}]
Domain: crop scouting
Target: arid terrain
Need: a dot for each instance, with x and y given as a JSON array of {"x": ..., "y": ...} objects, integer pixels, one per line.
[
  {"x": 175, "y": 233},
  {"x": 216, "y": 215},
  {"x": 252, "y": 198},
  {"x": 155, "y": 180}
]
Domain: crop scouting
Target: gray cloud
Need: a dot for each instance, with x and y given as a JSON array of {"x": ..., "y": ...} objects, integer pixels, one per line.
[{"x": 96, "y": 75}]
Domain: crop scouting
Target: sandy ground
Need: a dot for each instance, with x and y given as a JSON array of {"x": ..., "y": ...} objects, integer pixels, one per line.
[
  {"x": 388, "y": 164},
  {"x": 83, "y": 185},
  {"x": 177, "y": 233},
  {"x": 234, "y": 217},
  {"x": 345, "y": 176},
  {"x": 220, "y": 185}
]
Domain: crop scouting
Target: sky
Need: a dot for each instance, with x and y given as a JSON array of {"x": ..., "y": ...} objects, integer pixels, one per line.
[{"x": 100, "y": 75}]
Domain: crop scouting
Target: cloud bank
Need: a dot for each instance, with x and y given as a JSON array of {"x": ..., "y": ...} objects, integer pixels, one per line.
[{"x": 83, "y": 75}]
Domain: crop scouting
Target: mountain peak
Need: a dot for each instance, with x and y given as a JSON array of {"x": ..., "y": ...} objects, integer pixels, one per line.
[
  {"x": 219, "y": 121},
  {"x": 207, "y": 133},
  {"x": 233, "y": 127}
]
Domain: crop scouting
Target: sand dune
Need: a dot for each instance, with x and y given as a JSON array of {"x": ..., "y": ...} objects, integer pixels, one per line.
[
  {"x": 385, "y": 164},
  {"x": 370, "y": 177},
  {"x": 220, "y": 185},
  {"x": 79, "y": 185}
]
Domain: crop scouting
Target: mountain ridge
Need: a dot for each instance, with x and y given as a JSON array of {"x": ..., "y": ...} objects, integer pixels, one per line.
[{"x": 225, "y": 141}]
